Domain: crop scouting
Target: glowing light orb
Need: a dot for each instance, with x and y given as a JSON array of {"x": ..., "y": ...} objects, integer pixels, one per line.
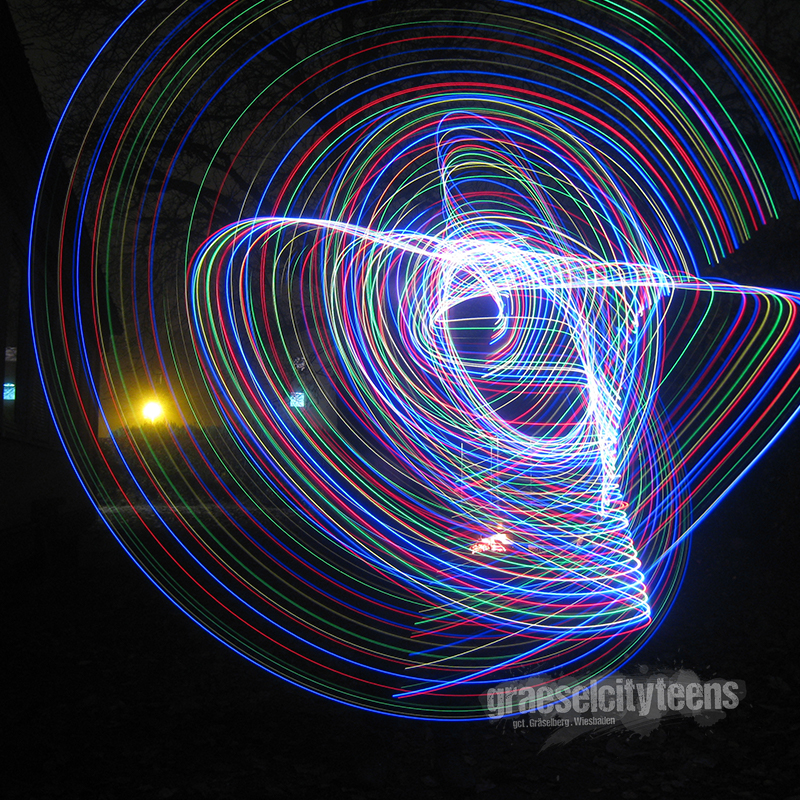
[
  {"x": 482, "y": 250},
  {"x": 152, "y": 411}
]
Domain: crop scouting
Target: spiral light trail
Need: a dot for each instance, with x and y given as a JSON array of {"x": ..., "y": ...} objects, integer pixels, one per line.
[{"x": 447, "y": 393}]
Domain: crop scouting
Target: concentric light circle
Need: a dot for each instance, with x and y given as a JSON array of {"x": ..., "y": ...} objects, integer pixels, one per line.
[{"x": 418, "y": 291}]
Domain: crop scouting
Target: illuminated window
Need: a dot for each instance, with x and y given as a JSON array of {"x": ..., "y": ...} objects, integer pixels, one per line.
[
  {"x": 297, "y": 400},
  {"x": 9, "y": 391}
]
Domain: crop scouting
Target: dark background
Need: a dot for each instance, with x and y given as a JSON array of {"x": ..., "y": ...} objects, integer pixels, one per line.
[{"x": 111, "y": 692}]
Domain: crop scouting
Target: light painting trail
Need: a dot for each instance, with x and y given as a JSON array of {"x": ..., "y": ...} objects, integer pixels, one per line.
[{"x": 454, "y": 394}]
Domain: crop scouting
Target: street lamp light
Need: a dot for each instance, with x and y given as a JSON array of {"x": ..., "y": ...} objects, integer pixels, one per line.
[{"x": 153, "y": 411}]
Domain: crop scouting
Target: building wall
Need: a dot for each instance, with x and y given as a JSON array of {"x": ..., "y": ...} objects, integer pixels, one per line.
[{"x": 39, "y": 492}]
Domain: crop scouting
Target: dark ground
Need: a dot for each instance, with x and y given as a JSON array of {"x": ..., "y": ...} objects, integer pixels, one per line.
[{"x": 113, "y": 693}]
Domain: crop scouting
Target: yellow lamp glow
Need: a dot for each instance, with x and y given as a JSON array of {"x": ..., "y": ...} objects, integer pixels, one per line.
[{"x": 152, "y": 411}]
